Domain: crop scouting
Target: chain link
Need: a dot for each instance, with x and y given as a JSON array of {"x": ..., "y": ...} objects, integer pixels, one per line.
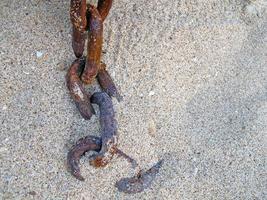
[{"x": 87, "y": 20}]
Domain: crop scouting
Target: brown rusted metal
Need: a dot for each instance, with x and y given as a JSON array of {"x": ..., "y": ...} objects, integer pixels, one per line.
[
  {"x": 79, "y": 22},
  {"x": 94, "y": 45},
  {"x": 78, "y": 14},
  {"x": 78, "y": 41},
  {"x": 94, "y": 19},
  {"x": 77, "y": 91},
  {"x": 85, "y": 70},
  {"x": 106, "y": 83},
  {"x": 103, "y": 7}
]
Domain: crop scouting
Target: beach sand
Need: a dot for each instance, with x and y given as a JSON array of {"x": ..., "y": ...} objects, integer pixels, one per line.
[{"x": 193, "y": 79}]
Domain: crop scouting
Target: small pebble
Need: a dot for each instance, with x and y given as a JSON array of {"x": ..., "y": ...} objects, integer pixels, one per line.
[
  {"x": 195, "y": 171},
  {"x": 3, "y": 150},
  {"x": 151, "y": 93},
  {"x": 152, "y": 128},
  {"x": 33, "y": 193},
  {"x": 39, "y": 54}
]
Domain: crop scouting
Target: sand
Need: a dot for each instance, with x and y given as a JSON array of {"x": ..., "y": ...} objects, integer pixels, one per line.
[{"x": 193, "y": 78}]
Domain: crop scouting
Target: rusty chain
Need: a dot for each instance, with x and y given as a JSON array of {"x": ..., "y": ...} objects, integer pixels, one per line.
[{"x": 87, "y": 20}]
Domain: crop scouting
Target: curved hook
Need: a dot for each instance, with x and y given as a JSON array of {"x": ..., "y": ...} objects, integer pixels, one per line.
[{"x": 89, "y": 143}]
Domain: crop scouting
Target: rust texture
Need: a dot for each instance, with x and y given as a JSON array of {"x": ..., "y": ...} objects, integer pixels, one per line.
[
  {"x": 103, "y": 7},
  {"x": 84, "y": 71},
  {"x": 78, "y": 14},
  {"x": 139, "y": 182},
  {"x": 78, "y": 42},
  {"x": 108, "y": 125},
  {"x": 94, "y": 45},
  {"x": 77, "y": 91},
  {"x": 106, "y": 83},
  {"x": 79, "y": 22},
  {"x": 105, "y": 146},
  {"x": 88, "y": 17},
  {"x": 89, "y": 143}
]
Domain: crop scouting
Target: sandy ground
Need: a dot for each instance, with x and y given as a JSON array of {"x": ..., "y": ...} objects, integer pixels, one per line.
[{"x": 193, "y": 77}]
